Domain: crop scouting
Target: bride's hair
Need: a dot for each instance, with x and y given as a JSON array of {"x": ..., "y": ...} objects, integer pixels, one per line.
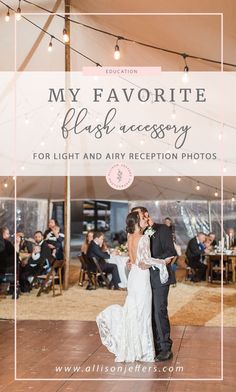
[{"x": 131, "y": 220}]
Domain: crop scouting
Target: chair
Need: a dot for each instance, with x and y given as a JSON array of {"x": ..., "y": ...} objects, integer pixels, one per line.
[
  {"x": 86, "y": 270},
  {"x": 190, "y": 272},
  {"x": 48, "y": 281},
  {"x": 92, "y": 273},
  {"x": 100, "y": 273},
  {"x": 7, "y": 285},
  {"x": 83, "y": 271},
  {"x": 214, "y": 269}
]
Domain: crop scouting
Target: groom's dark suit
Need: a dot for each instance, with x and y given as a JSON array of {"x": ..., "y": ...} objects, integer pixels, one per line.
[{"x": 162, "y": 246}]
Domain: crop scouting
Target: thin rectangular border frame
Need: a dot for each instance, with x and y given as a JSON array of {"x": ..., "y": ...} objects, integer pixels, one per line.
[{"x": 221, "y": 176}]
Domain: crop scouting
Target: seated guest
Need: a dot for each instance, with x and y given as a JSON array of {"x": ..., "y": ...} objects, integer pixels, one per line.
[
  {"x": 38, "y": 263},
  {"x": 55, "y": 238},
  {"x": 194, "y": 253},
  {"x": 208, "y": 244},
  {"x": 25, "y": 244},
  {"x": 213, "y": 239},
  {"x": 94, "y": 250},
  {"x": 232, "y": 238},
  {"x": 7, "y": 252},
  {"x": 105, "y": 247},
  {"x": 87, "y": 240},
  {"x": 7, "y": 260}
]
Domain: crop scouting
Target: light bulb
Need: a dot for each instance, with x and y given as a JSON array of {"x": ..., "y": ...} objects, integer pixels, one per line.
[
  {"x": 18, "y": 12},
  {"x": 7, "y": 17},
  {"x": 216, "y": 194},
  {"x": 117, "y": 52},
  {"x": 66, "y": 37},
  {"x": 179, "y": 179},
  {"x": 50, "y": 45},
  {"x": 233, "y": 198},
  {"x": 185, "y": 77},
  {"x": 173, "y": 115},
  {"x": 5, "y": 185},
  {"x": 198, "y": 187}
]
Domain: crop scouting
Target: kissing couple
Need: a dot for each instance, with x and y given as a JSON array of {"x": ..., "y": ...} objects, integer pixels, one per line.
[{"x": 140, "y": 330}]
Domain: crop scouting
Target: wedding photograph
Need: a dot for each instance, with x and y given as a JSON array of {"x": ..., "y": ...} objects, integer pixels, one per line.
[
  {"x": 117, "y": 196},
  {"x": 140, "y": 293}
]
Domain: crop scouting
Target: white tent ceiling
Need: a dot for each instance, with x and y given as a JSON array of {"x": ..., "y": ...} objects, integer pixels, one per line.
[
  {"x": 143, "y": 188},
  {"x": 199, "y": 35}
]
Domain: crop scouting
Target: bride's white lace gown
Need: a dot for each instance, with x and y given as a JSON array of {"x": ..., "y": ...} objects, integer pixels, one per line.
[{"x": 126, "y": 330}]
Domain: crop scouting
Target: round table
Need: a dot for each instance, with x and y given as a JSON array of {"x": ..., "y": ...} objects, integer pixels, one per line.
[{"x": 121, "y": 261}]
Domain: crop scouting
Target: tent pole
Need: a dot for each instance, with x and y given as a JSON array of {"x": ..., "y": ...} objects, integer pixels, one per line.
[
  {"x": 209, "y": 215},
  {"x": 49, "y": 210},
  {"x": 67, "y": 210}
]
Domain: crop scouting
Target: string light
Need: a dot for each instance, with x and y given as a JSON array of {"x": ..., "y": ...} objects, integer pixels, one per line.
[
  {"x": 179, "y": 179},
  {"x": 117, "y": 51},
  {"x": 18, "y": 12},
  {"x": 7, "y": 17},
  {"x": 66, "y": 37},
  {"x": 50, "y": 44},
  {"x": 185, "y": 77},
  {"x": 216, "y": 194},
  {"x": 5, "y": 184},
  {"x": 198, "y": 187},
  {"x": 173, "y": 52},
  {"x": 233, "y": 198}
]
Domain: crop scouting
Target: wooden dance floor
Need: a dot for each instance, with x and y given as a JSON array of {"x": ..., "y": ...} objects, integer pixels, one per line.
[{"x": 67, "y": 350}]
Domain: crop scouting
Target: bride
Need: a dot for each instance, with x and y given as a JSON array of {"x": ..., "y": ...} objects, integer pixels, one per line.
[{"x": 126, "y": 330}]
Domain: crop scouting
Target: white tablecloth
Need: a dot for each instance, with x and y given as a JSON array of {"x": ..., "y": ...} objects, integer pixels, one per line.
[{"x": 120, "y": 261}]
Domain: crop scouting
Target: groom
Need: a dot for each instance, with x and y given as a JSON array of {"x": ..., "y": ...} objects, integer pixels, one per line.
[{"x": 162, "y": 246}]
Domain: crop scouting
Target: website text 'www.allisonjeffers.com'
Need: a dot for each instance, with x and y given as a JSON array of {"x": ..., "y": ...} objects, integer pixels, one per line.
[{"x": 120, "y": 369}]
